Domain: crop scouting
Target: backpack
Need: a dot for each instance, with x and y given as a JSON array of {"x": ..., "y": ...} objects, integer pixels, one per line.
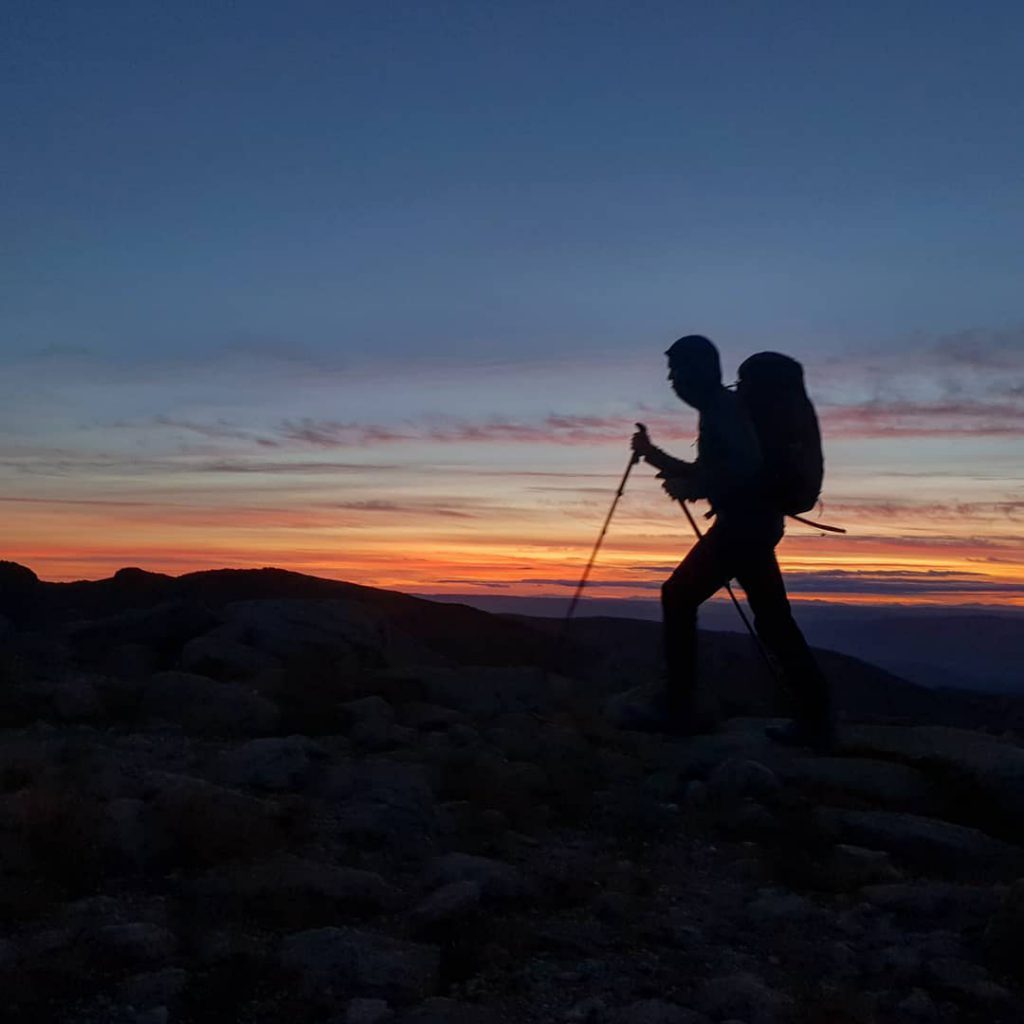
[{"x": 771, "y": 388}]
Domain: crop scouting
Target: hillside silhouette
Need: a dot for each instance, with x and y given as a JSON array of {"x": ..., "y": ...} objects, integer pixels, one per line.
[{"x": 255, "y": 795}]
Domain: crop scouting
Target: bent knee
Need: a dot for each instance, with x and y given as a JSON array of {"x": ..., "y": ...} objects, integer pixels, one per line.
[{"x": 676, "y": 594}]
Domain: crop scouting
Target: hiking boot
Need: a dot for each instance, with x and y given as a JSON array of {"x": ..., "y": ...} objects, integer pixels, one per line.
[{"x": 818, "y": 736}]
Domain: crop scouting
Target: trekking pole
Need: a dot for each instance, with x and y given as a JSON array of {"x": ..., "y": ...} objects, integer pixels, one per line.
[{"x": 633, "y": 460}]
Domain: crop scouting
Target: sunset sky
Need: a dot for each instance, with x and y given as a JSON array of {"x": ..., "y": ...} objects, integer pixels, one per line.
[{"x": 376, "y": 291}]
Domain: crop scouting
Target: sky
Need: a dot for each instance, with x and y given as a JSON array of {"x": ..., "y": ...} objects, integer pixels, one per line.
[{"x": 377, "y": 290}]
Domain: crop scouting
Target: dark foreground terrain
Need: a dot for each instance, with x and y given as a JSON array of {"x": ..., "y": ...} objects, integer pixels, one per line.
[{"x": 257, "y": 796}]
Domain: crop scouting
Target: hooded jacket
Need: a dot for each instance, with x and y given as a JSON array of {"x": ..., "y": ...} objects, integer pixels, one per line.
[{"x": 729, "y": 469}]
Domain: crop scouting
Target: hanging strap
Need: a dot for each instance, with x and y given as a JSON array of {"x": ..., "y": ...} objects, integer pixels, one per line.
[
  {"x": 710, "y": 514},
  {"x": 818, "y": 526}
]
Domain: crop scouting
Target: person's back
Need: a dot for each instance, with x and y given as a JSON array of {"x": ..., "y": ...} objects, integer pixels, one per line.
[{"x": 731, "y": 466}]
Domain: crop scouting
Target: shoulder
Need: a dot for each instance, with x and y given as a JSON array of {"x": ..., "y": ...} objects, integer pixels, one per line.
[
  {"x": 725, "y": 409},
  {"x": 733, "y": 423}
]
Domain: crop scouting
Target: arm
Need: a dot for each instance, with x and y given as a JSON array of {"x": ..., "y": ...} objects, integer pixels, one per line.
[
  {"x": 667, "y": 465},
  {"x": 682, "y": 479}
]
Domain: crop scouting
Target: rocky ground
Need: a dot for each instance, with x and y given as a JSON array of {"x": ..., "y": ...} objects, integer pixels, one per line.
[{"x": 290, "y": 808}]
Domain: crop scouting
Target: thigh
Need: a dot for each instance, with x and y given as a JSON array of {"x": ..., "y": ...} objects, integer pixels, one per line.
[
  {"x": 702, "y": 572},
  {"x": 761, "y": 579}
]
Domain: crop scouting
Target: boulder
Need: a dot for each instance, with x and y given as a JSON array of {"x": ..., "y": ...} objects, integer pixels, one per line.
[
  {"x": 675, "y": 927},
  {"x": 368, "y": 1011},
  {"x": 125, "y": 834},
  {"x": 918, "y": 1007},
  {"x": 289, "y": 888},
  {"x": 484, "y": 692},
  {"x": 590, "y": 1010},
  {"x": 75, "y": 700},
  {"x": 737, "y": 778},
  {"x": 850, "y": 867},
  {"x": 1002, "y": 935},
  {"x": 779, "y": 907},
  {"x": 419, "y": 714},
  {"x": 333, "y": 961},
  {"x": 138, "y": 942},
  {"x": 156, "y": 1015},
  {"x": 982, "y": 777},
  {"x": 497, "y": 881},
  {"x": 450, "y": 905},
  {"x": 27, "y": 755},
  {"x": 697, "y": 756},
  {"x": 371, "y": 722},
  {"x": 373, "y": 708},
  {"x": 276, "y": 764},
  {"x": 19, "y": 592},
  {"x": 205, "y": 707},
  {"x": 883, "y": 784},
  {"x": 960, "y": 978},
  {"x": 152, "y": 988},
  {"x": 748, "y": 820},
  {"x": 220, "y": 657},
  {"x": 130, "y": 661},
  {"x": 658, "y": 1011},
  {"x": 382, "y": 802},
  {"x": 744, "y": 996},
  {"x": 162, "y": 629},
  {"x": 927, "y": 844},
  {"x": 337, "y": 631},
  {"x": 922, "y": 901},
  {"x": 441, "y": 1010},
  {"x": 624, "y": 710},
  {"x": 198, "y": 823}
]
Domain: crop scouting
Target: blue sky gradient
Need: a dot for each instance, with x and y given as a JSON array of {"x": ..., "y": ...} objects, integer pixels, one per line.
[{"x": 453, "y": 239}]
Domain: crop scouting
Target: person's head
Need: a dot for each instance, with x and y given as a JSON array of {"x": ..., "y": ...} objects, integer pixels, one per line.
[{"x": 694, "y": 369}]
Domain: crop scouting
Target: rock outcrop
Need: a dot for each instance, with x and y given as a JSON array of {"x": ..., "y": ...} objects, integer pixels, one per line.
[{"x": 219, "y": 806}]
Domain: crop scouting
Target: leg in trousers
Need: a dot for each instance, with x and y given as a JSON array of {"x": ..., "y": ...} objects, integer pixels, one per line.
[
  {"x": 761, "y": 579},
  {"x": 697, "y": 578}
]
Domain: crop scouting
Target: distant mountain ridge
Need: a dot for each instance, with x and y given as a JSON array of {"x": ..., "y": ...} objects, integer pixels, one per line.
[
  {"x": 31, "y": 602},
  {"x": 612, "y": 652},
  {"x": 964, "y": 648}
]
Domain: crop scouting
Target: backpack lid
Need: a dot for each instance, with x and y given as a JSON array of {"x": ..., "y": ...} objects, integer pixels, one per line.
[{"x": 771, "y": 369}]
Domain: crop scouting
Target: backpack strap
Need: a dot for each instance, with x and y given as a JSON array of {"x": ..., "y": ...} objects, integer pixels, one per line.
[{"x": 818, "y": 526}]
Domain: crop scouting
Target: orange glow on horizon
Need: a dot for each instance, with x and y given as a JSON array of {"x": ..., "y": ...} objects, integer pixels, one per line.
[
  {"x": 523, "y": 568},
  {"x": 533, "y": 544}
]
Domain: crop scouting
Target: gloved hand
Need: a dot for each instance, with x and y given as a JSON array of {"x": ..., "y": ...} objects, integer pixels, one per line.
[
  {"x": 678, "y": 488},
  {"x": 641, "y": 443}
]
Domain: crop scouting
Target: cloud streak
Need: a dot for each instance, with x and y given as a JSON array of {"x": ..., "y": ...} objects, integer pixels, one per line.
[
  {"x": 941, "y": 511},
  {"x": 422, "y": 509},
  {"x": 556, "y": 428},
  {"x": 882, "y": 583},
  {"x": 904, "y": 418},
  {"x": 838, "y": 582},
  {"x": 876, "y": 418},
  {"x": 219, "y": 430}
]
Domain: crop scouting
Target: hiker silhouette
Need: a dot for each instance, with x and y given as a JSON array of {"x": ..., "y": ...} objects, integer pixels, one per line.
[{"x": 732, "y": 472}]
